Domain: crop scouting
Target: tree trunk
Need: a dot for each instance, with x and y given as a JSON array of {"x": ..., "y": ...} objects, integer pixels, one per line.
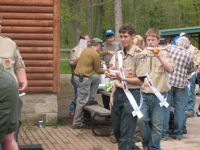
[
  {"x": 90, "y": 17},
  {"x": 99, "y": 17},
  {"x": 77, "y": 22},
  {"x": 118, "y": 17}
]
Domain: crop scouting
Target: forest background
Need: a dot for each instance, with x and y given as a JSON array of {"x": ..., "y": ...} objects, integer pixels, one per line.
[{"x": 96, "y": 16}]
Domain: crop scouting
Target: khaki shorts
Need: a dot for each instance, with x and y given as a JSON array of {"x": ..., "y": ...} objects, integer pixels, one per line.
[{"x": 8, "y": 100}]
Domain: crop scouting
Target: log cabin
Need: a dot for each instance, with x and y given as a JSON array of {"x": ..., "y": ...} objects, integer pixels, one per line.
[{"x": 35, "y": 25}]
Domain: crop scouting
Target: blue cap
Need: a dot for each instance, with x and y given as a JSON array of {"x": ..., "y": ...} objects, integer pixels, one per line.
[
  {"x": 174, "y": 40},
  {"x": 109, "y": 32}
]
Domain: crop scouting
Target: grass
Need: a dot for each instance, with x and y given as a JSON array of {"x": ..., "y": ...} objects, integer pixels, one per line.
[
  {"x": 64, "y": 65},
  {"x": 97, "y": 148}
]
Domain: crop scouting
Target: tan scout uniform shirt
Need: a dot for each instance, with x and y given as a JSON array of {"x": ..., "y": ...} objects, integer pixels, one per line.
[
  {"x": 156, "y": 72},
  {"x": 10, "y": 58},
  {"x": 88, "y": 62},
  {"x": 130, "y": 64}
]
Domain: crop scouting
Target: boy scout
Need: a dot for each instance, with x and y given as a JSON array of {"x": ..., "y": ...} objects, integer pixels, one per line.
[
  {"x": 11, "y": 61},
  {"x": 123, "y": 122},
  {"x": 157, "y": 66}
]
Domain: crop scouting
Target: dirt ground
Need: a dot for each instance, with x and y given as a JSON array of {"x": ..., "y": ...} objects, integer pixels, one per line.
[{"x": 65, "y": 95}]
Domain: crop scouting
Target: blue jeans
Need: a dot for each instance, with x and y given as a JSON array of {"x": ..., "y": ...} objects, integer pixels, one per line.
[
  {"x": 166, "y": 114},
  {"x": 74, "y": 86},
  {"x": 152, "y": 123},
  {"x": 123, "y": 123},
  {"x": 192, "y": 96},
  {"x": 179, "y": 98}
]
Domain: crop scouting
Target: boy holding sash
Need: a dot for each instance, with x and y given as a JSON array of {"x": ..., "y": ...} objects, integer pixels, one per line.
[{"x": 125, "y": 96}]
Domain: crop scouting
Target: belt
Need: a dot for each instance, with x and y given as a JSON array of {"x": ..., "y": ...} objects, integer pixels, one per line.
[{"x": 78, "y": 75}]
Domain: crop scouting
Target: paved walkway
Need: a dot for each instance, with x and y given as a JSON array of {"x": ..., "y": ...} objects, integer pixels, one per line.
[{"x": 66, "y": 138}]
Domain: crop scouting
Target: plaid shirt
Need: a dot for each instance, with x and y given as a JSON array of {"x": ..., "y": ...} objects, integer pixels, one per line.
[{"x": 183, "y": 65}]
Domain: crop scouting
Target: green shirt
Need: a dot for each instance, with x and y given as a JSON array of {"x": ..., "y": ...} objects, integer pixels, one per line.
[{"x": 88, "y": 62}]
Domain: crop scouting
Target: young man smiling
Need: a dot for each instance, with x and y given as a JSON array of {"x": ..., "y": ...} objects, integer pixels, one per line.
[{"x": 126, "y": 90}]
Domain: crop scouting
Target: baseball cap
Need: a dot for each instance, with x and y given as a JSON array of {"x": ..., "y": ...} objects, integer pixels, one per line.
[
  {"x": 182, "y": 33},
  {"x": 109, "y": 32},
  {"x": 96, "y": 41}
]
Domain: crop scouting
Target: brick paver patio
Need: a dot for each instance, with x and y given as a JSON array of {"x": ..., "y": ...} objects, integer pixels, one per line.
[{"x": 66, "y": 138}]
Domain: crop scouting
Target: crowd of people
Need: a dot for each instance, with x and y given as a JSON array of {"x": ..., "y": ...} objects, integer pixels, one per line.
[{"x": 153, "y": 80}]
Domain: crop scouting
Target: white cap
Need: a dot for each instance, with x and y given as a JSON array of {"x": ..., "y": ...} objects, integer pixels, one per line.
[{"x": 182, "y": 33}]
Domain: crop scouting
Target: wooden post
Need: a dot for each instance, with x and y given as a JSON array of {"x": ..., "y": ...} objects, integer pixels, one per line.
[{"x": 56, "y": 45}]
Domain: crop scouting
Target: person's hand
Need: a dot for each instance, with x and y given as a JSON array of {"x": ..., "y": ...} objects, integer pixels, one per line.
[
  {"x": 112, "y": 67},
  {"x": 111, "y": 52},
  {"x": 22, "y": 86},
  {"x": 111, "y": 102},
  {"x": 198, "y": 68},
  {"x": 118, "y": 77},
  {"x": 106, "y": 72}
]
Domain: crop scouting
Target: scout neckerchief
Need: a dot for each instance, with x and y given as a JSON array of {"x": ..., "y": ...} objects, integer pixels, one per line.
[
  {"x": 136, "y": 111},
  {"x": 163, "y": 101}
]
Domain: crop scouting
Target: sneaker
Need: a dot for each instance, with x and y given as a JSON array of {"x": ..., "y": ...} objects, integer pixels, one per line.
[
  {"x": 177, "y": 137},
  {"x": 198, "y": 114},
  {"x": 184, "y": 131},
  {"x": 136, "y": 147},
  {"x": 189, "y": 114}
]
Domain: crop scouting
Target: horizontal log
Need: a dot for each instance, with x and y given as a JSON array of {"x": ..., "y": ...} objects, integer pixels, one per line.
[
  {"x": 40, "y": 43},
  {"x": 29, "y": 36},
  {"x": 26, "y": 9},
  {"x": 37, "y": 16},
  {"x": 39, "y": 69},
  {"x": 14, "y": 29},
  {"x": 41, "y": 63},
  {"x": 43, "y": 83},
  {"x": 22, "y": 22},
  {"x": 38, "y": 57},
  {"x": 36, "y": 49},
  {"x": 40, "y": 90},
  {"x": 27, "y": 2},
  {"x": 39, "y": 76}
]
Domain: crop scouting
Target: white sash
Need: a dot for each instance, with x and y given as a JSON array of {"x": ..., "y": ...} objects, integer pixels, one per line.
[
  {"x": 136, "y": 111},
  {"x": 163, "y": 101}
]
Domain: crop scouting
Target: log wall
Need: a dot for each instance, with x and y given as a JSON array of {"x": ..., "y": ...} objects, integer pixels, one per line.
[{"x": 35, "y": 25}]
